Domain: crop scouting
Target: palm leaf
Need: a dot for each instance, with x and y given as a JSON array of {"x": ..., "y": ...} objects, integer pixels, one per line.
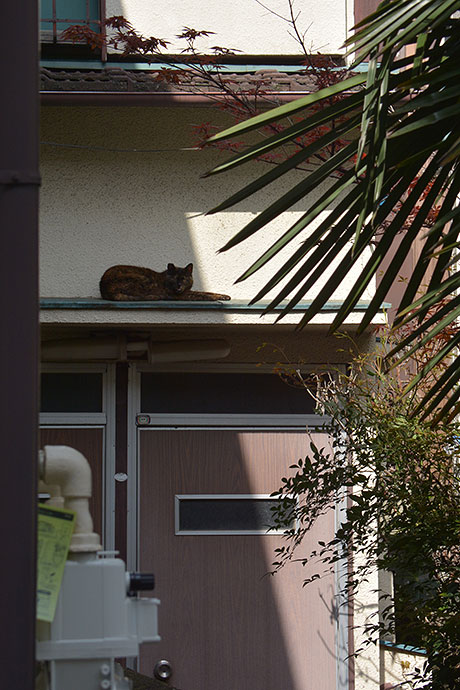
[
  {"x": 291, "y": 163},
  {"x": 288, "y": 200},
  {"x": 289, "y": 109},
  {"x": 442, "y": 318},
  {"x": 434, "y": 361},
  {"x": 344, "y": 227},
  {"x": 391, "y": 274},
  {"x": 313, "y": 212},
  {"x": 408, "y": 111},
  {"x": 450, "y": 391},
  {"x": 426, "y": 254}
]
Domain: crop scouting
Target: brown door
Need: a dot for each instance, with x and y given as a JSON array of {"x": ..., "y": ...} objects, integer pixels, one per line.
[
  {"x": 226, "y": 624},
  {"x": 90, "y": 442}
]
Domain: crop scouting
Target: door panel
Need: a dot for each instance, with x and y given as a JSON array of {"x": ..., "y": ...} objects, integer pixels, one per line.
[
  {"x": 226, "y": 624},
  {"x": 90, "y": 442}
]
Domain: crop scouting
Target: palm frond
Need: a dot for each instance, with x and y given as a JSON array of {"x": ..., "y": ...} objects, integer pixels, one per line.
[{"x": 401, "y": 165}]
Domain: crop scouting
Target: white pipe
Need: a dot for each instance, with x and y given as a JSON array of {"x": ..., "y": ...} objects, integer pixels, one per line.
[
  {"x": 70, "y": 470},
  {"x": 54, "y": 490}
]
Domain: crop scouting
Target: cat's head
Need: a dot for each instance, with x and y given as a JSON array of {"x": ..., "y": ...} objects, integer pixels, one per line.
[{"x": 178, "y": 280}]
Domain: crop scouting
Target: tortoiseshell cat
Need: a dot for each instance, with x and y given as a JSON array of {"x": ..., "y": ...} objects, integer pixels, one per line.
[{"x": 134, "y": 283}]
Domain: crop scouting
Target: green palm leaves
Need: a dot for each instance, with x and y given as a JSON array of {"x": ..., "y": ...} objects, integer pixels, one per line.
[{"x": 393, "y": 178}]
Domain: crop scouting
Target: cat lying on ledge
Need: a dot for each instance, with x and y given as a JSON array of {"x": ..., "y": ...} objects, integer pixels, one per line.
[{"x": 137, "y": 284}]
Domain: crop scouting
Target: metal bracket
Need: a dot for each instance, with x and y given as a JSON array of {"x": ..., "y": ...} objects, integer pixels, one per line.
[{"x": 19, "y": 177}]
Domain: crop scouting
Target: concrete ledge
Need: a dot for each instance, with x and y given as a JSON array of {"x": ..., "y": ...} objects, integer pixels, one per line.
[
  {"x": 78, "y": 311},
  {"x": 230, "y": 306}
]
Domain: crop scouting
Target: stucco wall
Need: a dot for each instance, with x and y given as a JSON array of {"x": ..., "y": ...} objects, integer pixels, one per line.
[
  {"x": 100, "y": 208},
  {"x": 399, "y": 668},
  {"x": 243, "y": 24}
]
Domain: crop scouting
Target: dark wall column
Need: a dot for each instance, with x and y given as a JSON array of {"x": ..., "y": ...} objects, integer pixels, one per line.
[{"x": 19, "y": 337}]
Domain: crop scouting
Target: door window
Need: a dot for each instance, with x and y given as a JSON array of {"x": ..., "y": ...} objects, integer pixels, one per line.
[
  {"x": 228, "y": 514},
  {"x": 77, "y": 410},
  {"x": 71, "y": 392},
  {"x": 222, "y": 393}
]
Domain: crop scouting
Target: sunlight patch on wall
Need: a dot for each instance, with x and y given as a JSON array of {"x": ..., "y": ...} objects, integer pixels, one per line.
[{"x": 219, "y": 271}]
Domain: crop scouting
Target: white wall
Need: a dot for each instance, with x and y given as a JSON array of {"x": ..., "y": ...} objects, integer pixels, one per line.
[
  {"x": 100, "y": 208},
  {"x": 242, "y": 24}
]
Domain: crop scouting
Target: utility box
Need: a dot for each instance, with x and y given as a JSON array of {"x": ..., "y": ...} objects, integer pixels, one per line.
[{"x": 99, "y": 617}]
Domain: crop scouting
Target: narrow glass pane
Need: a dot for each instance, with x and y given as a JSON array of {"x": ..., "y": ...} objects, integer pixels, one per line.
[
  {"x": 225, "y": 393},
  {"x": 71, "y": 392},
  {"x": 69, "y": 12},
  {"x": 251, "y": 515},
  {"x": 46, "y": 9}
]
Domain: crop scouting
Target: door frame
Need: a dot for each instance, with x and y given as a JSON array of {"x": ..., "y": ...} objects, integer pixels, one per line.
[
  {"x": 104, "y": 420},
  {"x": 275, "y": 422},
  {"x": 255, "y": 422}
]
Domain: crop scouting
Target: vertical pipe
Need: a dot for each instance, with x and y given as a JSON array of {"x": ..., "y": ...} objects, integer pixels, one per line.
[{"x": 19, "y": 337}]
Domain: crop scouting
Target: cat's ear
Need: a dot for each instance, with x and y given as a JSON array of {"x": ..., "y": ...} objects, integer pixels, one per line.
[
  {"x": 171, "y": 268},
  {"x": 189, "y": 268}
]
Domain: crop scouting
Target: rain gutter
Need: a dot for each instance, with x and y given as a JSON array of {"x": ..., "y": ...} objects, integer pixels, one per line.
[
  {"x": 232, "y": 306},
  {"x": 159, "y": 99},
  {"x": 156, "y": 66}
]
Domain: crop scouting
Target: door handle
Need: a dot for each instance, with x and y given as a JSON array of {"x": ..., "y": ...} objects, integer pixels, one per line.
[{"x": 162, "y": 670}]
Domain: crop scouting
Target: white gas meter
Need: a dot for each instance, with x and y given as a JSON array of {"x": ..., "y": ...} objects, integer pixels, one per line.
[{"x": 99, "y": 616}]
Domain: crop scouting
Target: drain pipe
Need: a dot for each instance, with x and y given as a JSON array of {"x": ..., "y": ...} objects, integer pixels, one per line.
[{"x": 70, "y": 470}]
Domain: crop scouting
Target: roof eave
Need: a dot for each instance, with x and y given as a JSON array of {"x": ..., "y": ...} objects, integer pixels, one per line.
[{"x": 156, "y": 99}]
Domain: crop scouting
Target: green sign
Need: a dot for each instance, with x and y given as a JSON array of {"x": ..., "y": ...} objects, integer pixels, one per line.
[{"x": 55, "y": 527}]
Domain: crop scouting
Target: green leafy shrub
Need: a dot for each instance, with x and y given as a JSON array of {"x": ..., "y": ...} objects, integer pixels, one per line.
[{"x": 402, "y": 514}]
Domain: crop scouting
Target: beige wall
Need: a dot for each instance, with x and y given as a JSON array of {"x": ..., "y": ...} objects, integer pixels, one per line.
[
  {"x": 243, "y": 24},
  {"x": 399, "y": 668},
  {"x": 100, "y": 208}
]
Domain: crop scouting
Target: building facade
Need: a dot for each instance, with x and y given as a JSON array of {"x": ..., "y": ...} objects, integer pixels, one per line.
[{"x": 175, "y": 404}]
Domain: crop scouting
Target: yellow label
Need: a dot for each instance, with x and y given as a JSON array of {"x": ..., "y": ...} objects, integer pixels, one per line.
[{"x": 55, "y": 527}]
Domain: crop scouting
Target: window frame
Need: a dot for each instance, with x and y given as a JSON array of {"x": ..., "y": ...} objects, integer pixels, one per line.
[
  {"x": 224, "y": 420},
  {"x": 224, "y": 532},
  {"x": 104, "y": 420},
  {"x": 50, "y": 36}
]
